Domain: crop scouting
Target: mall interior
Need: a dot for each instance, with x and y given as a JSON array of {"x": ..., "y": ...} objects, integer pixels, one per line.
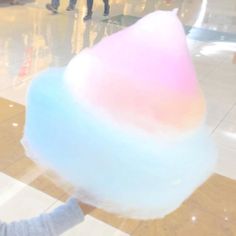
[{"x": 33, "y": 39}]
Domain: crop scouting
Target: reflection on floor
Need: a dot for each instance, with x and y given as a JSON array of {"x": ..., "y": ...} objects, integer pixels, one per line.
[
  {"x": 192, "y": 32},
  {"x": 32, "y": 39}
]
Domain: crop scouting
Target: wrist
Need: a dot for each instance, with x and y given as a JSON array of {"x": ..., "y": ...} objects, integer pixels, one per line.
[{"x": 86, "y": 208}]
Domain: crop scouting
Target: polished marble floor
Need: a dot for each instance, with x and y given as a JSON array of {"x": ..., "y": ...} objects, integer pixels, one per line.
[{"x": 32, "y": 39}]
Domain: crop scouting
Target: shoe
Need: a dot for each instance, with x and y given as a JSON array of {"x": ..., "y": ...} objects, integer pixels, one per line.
[
  {"x": 88, "y": 16},
  {"x": 106, "y": 10},
  {"x": 51, "y": 8},
  {"x": 70, "y": 8}
]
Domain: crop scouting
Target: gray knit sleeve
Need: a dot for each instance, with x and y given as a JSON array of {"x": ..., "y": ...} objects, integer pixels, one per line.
[{"x": 53, "y": 224}]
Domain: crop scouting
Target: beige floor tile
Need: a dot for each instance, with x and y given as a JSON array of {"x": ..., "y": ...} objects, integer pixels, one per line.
[
  {"x": 24, "y": 170},
  {"x": 10, "y": 153},
  {"x": 232, "y": 115},
  {"x": 17, "y": 93},
  {"x": 126, "y": 225},
  {"x": 19, "y": 201},
  {"x": 92, "y": 226},
  {"x": 9, "y": 109},
  {"x": 216, "y": 113},
  {"x": 227, "y": 162},
  {"x": 225, "y": 134},
  {"x": 44, "y": 184},
  {"x": 12, "y": 128},
  {"x": 209, "y": 211}
]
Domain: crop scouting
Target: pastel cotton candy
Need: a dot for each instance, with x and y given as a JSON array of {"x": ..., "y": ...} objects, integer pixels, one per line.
[{"x": 124, "y": 122}]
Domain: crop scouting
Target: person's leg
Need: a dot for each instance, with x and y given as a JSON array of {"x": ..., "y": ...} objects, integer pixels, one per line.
[
  {"x": 56, "y": 3},
  {"x": 106, "y": 7},
  {"x": 89, "y": 10},
  {"x": 53, "y": 6},
  {"x": 106, "y": 2},
  {"x": 71, "y": 5},
  {"x": 90, "y": 6},
  {"x": 15, "y": 2}
]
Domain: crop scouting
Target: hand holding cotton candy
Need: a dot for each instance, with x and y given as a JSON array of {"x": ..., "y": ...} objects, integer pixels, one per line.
[{"x": 125, "y": 121}]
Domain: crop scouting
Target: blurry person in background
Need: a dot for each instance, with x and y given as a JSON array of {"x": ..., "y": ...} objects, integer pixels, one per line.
[
  {"x": 90, "y": 9},
  {"x": 53, "y": 6},
  {"x": 15, "y": 2}
]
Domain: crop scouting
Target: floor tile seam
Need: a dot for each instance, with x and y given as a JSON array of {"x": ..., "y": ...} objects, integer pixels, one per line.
[
  {"x": 23, "y": 155},
  {"x": 35, "y": 188},
  {"x": 132, "y": 232},
  {"x": 140, "y": 226},
  {"x": 221, "y": 120},
  {"x": 12, "y": 163},
  {"x": 28, "y": 183},
  {"x": 52, "y": 204},
  {"x": 18, "y": 181},
  {"x": 227, "y": 178},
  {"x": 222, "y": 173},
  {"x": 122, "y": 225},
  {"x": 56, "y": 198},
  {"x": 19, "y": 159},
  {"x": 233, "y": 106},
  {"x": 11, "y": 101}
]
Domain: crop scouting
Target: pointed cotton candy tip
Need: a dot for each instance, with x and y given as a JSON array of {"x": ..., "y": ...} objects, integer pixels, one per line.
[{"x": 154, "y": 72}]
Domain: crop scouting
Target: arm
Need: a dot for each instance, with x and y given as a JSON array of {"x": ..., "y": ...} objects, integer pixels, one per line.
[{"x": 53, "y": 224}]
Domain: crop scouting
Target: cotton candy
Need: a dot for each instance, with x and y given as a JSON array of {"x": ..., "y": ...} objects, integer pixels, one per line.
[{"x": 124, "y": 122}]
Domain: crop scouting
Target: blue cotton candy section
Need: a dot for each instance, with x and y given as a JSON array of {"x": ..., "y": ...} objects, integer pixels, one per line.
[{"x": 125, "y": 172}]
